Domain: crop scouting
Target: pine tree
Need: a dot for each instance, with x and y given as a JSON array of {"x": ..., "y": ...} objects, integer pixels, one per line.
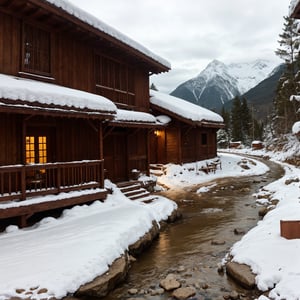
[
  {"x": 285, "y": 111},
  {"x": 247, "y": 122},
  {"x": 223, "y": 135},
  {"x": 236, "y": 121},
  {"x": 153, "y": 87}
]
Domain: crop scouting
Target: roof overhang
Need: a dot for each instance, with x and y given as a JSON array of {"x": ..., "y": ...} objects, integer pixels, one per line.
[
  {"x": 190, "y": 122},
  {"x": 134, "y": 119},
  {"x": 29, "y": 108},
  {"x": 24, "y": 96}
]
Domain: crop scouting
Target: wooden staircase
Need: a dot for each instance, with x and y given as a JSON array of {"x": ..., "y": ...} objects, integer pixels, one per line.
[
  {"x": 134, "y": 191},
  {"x": 157, "y": 169}
]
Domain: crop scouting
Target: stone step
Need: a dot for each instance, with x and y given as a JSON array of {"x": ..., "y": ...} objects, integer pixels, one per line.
[
  {"x": 157, "y": 169},
  {"x": 139, "y": 195},
  {"x": 130, "y": 188},
  {"x": 127, "y": 183}
]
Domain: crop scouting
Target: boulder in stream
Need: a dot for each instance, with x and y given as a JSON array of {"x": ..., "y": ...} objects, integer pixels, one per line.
[
  {"x": 241, "y": 273},
  {"x": 170, "y": 283},
  {"x": 184, "y": 293}
]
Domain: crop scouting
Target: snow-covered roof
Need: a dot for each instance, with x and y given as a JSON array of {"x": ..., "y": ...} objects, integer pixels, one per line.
[
  {"x": 295, "y": 97},
  {"x": 296, "y": 128},
  {"x": 293, "y": 5},
  {"x": 184, "y": 109},
  {"x": 163, "y": 119},
  {"x": 96, "y": 23},
  {"x": 129, "y": 116},
  {"x": 30, "y": 93}
]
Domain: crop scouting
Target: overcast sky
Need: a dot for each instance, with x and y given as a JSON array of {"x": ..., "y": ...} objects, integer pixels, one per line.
[{"x": 191, "y": 33}]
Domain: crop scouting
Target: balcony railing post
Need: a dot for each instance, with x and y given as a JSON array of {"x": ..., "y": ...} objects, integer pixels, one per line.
[
  {"x": 101, "y": 173},
  {"x": 23, "y": 183},
  {"x": 58, "y": 179}
]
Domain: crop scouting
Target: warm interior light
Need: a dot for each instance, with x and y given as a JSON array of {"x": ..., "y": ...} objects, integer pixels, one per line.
[{"x": 157, "y": 132}]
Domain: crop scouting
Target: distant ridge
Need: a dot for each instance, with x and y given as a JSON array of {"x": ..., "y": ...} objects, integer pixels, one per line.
[
  {"x": 260, "y": 97},
  {"x": 219, "y": 83}
]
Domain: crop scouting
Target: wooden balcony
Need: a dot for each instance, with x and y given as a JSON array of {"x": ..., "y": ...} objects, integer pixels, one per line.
[{"x": 23, "y": 187}]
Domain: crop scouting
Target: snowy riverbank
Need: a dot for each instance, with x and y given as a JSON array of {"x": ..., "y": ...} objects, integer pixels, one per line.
[
  {"x": 273, "y": 258},
  {"x": 59, "y": 255}
]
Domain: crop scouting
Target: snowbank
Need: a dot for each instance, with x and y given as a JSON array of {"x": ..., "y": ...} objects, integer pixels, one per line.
[
  {"x": 62, "y": 254},
  {"x": 273, "y": 258},
  {"x": 190, "y": 173}
]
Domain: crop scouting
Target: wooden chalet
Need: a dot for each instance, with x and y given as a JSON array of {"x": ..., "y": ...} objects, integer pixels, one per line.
[
  {"x": 74, "y": 106},
  {"x": 189, "y": 134}
]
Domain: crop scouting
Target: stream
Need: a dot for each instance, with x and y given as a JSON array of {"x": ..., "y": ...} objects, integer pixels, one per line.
[{"x": 186, "y": 246}]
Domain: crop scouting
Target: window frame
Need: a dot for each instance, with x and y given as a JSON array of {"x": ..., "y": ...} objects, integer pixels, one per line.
[
  {"x": 36, "y": 149},
  {"x": 37, "y": 70},
  {"x": 115, "y": 80},
  {"x": 204, "y": 139}
]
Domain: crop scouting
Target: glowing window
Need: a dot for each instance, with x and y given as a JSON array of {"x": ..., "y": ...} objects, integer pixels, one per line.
[
  {"x": 30, "y": 152},
  {"x": 36, "y": 149},
  {"x": 42, "y": 149}
]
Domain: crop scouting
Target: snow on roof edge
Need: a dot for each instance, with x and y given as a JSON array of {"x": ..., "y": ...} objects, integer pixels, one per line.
[
  {"x": 184, "y": 108},
  {"x": 16, "y": 88},
  {"x": 134, "y": 116},
  {"x": 98, "y": 24}
]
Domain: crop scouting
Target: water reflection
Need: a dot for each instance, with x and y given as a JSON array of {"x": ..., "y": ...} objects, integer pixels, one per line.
[{"x": 206, "y": 216}]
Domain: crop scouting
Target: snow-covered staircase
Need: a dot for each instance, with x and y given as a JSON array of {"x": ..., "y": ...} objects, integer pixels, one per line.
[
  {"x": 134, "y": 191},
  {"x": 157, "y": 169}
]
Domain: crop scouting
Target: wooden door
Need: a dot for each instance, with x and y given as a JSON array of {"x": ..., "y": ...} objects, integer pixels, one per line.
[{"x": 115, "y": 157}]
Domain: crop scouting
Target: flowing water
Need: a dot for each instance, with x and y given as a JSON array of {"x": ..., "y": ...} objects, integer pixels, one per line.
[{"x": 186, "y": 245}]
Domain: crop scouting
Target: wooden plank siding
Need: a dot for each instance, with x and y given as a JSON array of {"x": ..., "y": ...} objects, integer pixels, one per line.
[
  {"x": 10, "y": 38},
  {"x": 125, "y": 149},
  {"x": 181, "y": 143},
  {"x": 11, "y": 141},
  {"x": 72, "y": 60}
]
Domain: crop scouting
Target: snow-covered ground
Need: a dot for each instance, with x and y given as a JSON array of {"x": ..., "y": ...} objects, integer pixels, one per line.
[
  {"x": 62, "y": 254},
  {"x": 178, "y": 176},
  {"x": 274, "y": 259}
]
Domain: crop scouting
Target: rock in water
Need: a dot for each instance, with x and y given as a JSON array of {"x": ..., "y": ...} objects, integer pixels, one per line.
[
  {"x": 101, "y": 285},
  {"x": 184, "y": 293},
  {"x": 242, "y": 274},
  {"x": 170, "y": 283}
]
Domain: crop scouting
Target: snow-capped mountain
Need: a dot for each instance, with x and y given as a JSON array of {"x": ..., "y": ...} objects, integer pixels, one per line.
[{"x": 219, "y": 83}]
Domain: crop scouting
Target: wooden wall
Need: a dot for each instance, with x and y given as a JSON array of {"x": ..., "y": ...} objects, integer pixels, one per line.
[
  {"x": 72, "y": 58},
  {"x": 69, "y": 140},
  {"x": 125, "y": 149},
  {"x": 10, "y": 38},
  {"x": 11, "y": 141},
  {"x": 180, "y": 143}
]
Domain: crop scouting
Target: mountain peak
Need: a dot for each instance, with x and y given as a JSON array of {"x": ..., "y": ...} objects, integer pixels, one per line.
[
  {"x": 219, "y": 82},
  {"x": 213, "y": 69}
]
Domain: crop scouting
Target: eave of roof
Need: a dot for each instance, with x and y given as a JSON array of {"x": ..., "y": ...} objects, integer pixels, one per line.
[
  {"x": 190, "y": 122},
  {"x": 130, "y": 118},
  {"x": 184, "y": 111},
  {"x": 35, "y": 109},
  {"x": 25, "y": 96},
  {"x": 90, "y": 23}
]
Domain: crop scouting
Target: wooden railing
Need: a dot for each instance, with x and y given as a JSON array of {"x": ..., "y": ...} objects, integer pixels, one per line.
[{"x": 18, "y": 182}]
